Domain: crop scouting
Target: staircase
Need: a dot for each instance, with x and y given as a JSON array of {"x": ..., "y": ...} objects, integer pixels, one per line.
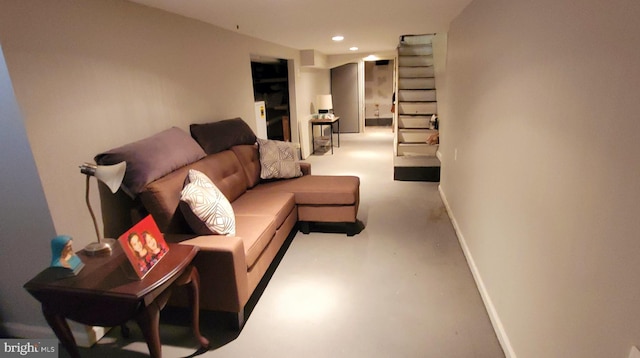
[{"x": 415, "y": 106}]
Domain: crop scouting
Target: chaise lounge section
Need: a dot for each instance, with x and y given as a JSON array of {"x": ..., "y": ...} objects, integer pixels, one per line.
[{"x": 266, "y": 211}]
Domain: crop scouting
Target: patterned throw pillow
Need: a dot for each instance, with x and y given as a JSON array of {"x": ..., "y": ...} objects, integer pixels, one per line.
[
  {"x": 209, "y": 205},
  {"x": 278, "y": 159}
]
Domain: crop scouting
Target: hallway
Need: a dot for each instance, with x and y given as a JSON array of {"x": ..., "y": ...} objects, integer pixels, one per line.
[{"x": 400, "y": 288}]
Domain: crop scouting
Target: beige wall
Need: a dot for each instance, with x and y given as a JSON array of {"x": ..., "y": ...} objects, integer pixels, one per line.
[
  {"x": 93, "y": 75},
  {"x": 315, "y": 81},
  {"x": 542, "y": 109}
]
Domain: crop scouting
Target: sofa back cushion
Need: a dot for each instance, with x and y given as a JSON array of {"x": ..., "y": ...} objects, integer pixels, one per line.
[
  {"x": 225, "y": 172},
  {"x": 249, "y": 158},
  {"x": 215, "y": 137},
  {"x": 162, "y": 196}
]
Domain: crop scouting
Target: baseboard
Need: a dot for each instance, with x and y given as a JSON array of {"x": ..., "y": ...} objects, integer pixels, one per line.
[
  {"x": 85, "y": 336},
  {"x": 486, "y": 298}
]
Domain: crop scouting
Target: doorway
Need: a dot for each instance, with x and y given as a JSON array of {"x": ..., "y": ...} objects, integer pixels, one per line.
[
  {"x": 271, "y": 86},
  {"x": 378, "y": 93}
]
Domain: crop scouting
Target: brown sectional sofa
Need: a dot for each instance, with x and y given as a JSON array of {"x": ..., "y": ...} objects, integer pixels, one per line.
[{"x": 266, "y": 211}]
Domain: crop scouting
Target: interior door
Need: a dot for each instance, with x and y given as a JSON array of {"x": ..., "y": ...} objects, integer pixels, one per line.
[{"x": 344, "y": 90}]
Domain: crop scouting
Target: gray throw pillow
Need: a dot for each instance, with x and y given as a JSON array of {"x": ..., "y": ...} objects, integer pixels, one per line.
[{"x": 278, "y": 159}]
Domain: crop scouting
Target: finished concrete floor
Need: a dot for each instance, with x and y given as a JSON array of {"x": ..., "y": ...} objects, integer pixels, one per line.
[{"x": 400, "y": 288}]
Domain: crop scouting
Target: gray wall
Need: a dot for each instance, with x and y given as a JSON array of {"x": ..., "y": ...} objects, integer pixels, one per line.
[
  {"x": 541, "y": 105},
  {"x": 26, "y": 227}
]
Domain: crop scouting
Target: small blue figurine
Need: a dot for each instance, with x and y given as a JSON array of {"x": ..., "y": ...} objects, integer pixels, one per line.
[{"x": 62, "y": 254}]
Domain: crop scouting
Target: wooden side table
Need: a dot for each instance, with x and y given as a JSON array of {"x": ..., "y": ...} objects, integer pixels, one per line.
[
  {"x": 324, "y": 122},
  {"x": 102, "y": 294}
]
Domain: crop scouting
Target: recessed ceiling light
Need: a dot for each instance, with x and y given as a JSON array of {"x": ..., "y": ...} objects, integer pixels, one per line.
[
  {"x": 338, "y": 38},
  {"x": 371, "y": 58},
  {"x": 353, "y": 48}
]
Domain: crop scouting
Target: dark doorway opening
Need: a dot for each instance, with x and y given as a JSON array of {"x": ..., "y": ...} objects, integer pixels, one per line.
[{"x": 271, "y": 85}]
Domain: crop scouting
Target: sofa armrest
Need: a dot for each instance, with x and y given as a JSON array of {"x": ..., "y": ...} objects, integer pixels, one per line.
[
  {"x": 222, "y": 266},
  {"x": 305, "y": 168}
]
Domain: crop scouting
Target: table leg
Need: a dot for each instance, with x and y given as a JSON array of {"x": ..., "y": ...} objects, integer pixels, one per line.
[
  {"x": 313, "y": 139},
  {"x": 149, "y": 322},
  {"x": 338, "y": 121},
  {"x": 194, "y": 301},
  {"x": 61, "y": 328},
  {"x": 331, "y": 134}
]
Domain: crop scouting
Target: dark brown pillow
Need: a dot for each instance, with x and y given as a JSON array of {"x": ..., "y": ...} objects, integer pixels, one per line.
[
  {"x": 153, "y": 157},
  {"x": 215, "y": 137}
]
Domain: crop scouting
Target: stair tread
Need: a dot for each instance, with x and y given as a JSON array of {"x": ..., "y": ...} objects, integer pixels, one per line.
[
  {"x": 416, "y": 144},
  {"x": 416, "y": 161}
]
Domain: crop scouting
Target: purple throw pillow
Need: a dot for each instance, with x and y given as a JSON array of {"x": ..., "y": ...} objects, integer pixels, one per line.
[{"x": 153, "y": 157}]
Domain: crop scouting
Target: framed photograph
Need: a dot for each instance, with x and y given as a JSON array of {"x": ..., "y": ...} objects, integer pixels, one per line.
[{"x": 144, "y": 246}]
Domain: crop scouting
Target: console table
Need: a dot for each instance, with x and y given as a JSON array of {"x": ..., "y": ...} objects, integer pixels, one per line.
[
  {"x": 325, "y": 122},
  {"x": 102, "y": 294}
]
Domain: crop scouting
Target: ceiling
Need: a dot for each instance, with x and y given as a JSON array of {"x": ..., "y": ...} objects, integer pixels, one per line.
[{"x": 371, "y": 25}]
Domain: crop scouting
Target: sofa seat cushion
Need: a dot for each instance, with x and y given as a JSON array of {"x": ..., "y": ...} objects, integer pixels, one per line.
[
  {"x": 256, "y": 232},
  {"x": 257, "y": 202},
  {"x": 318, "y": 189}
]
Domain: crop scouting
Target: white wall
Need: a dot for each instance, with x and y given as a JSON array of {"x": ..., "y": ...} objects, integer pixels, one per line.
[
  {"x": 92, "y": 75},
  {"x": 315, "y": 81},
  {"x": 542, "y": 109}
]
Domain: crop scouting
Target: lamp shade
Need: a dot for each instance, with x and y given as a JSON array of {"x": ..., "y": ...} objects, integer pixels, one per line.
[
  {"x": 323, "y": 101},
  {"x": 111, "y": 175}
]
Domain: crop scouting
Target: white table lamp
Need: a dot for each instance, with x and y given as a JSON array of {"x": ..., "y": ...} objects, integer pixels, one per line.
[{"x": 324, "y": 103}]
